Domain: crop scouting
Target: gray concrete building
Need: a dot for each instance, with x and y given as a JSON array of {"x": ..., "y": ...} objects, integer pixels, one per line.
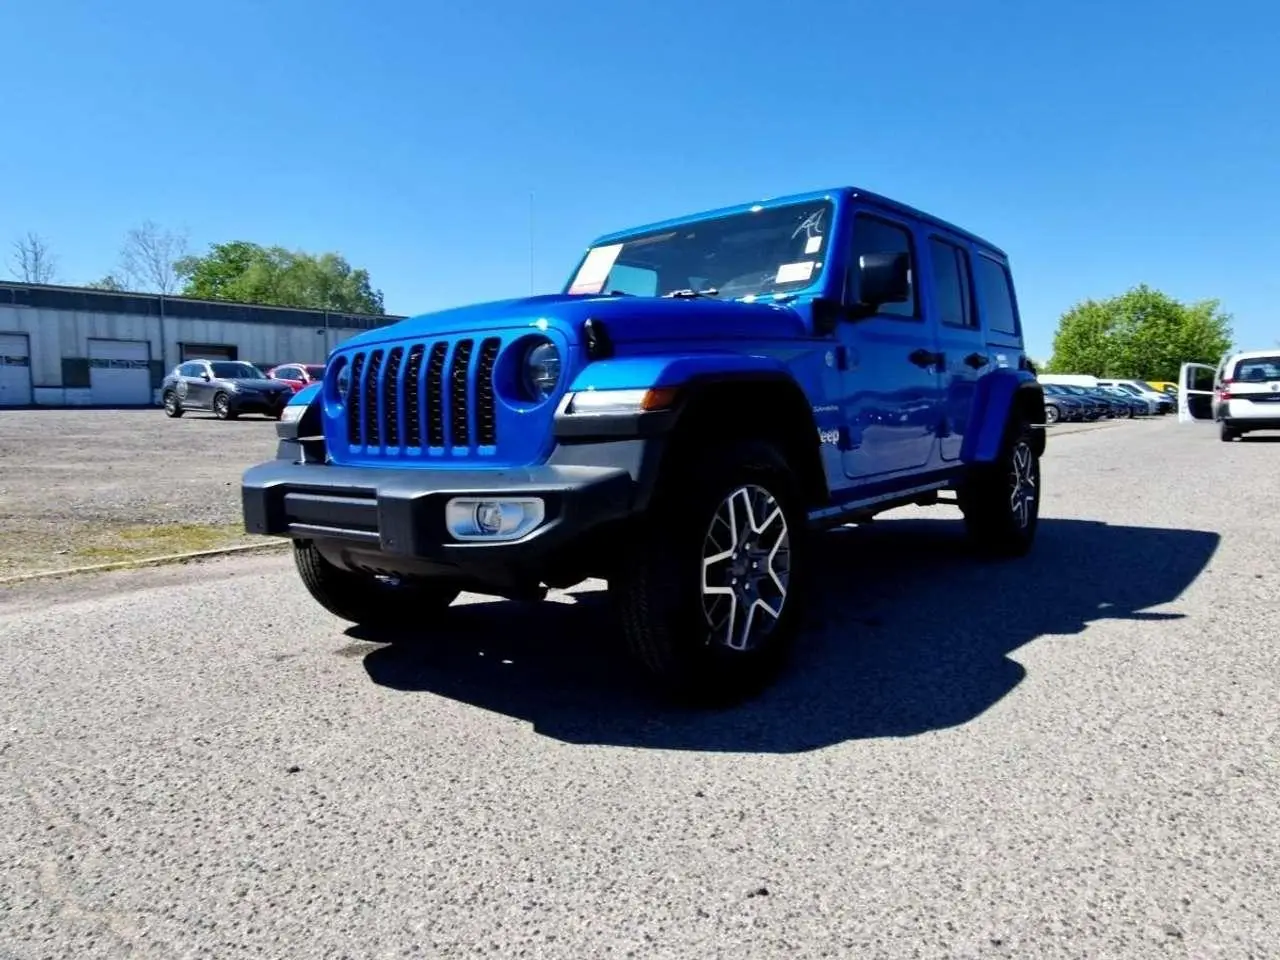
[{"x": 71, "y": 346}]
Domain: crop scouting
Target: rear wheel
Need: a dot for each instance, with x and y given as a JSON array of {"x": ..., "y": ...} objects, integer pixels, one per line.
[
  {"x": 172, "y": 405},
  {"x": 1226, "y": 433},
  {"x": 1001, "y": 500},
  {"x": 368, "y": 600},
  {"x": 710, "y": 594},
  {"x": 1051, "y": 413}
]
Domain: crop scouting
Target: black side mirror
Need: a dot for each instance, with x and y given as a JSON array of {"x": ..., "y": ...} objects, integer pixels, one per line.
[
  {"x": 882, "y": 278},
  {"x": 204, "y": 375}
]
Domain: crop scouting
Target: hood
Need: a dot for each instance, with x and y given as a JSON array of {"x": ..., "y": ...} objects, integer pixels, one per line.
[{"x": 628, "y": 319}]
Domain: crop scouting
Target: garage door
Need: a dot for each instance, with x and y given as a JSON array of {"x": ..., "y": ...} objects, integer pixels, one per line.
[
  {"x": 119, "y": 375},
  {"x": 15, "y": 370}
]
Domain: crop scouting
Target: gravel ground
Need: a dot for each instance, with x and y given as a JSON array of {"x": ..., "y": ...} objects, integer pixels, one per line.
[
  {"x": 85, "y": 486},
  {"x": 1072, "y": 755}
]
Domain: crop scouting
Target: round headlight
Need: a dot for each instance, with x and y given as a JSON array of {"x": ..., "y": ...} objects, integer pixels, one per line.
[{"x": 542, "y": 370}]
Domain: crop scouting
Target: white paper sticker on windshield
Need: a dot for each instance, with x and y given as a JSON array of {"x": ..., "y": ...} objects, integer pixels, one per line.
[
  {"x": 813, "y": 244},
  {"x": 595, "y": 269},
  {"x": 793, "y": 272}
]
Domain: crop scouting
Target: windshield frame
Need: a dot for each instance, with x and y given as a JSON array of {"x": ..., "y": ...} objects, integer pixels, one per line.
[
  {"x": 214, "y": 364},
  {"x": 829, "y": 226}
]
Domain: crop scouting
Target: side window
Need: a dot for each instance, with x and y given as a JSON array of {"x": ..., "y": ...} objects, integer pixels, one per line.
[
  {"x": 873, "y": 235},
  {"x": 288, "y": 373},
  {"x": 951, "y": 283},
  {"x": 997, "y": 297},
  {"x": 190, "y": 369}
]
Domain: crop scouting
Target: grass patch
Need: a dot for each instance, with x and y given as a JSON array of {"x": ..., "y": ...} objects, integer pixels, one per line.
[{"x": 144, "y": 542}]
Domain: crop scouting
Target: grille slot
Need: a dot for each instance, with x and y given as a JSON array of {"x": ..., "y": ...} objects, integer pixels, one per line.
[
  {"x": 444, "y": 391},
  {"x": 355, "y": 430},
  {"x": 435, "y": 395},
  {"x": 372, "y": 415},
  {"x": 459, "y": 415},
  {"x": 486, "y": 407},
  {"x": 412, "y": 408},
  {"x": 391, "y": 397}
]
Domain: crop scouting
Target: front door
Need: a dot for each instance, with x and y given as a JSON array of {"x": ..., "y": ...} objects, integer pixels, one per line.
[
  {"x": 890, "y": 378},
  {"x": 1196, "y": 392}
]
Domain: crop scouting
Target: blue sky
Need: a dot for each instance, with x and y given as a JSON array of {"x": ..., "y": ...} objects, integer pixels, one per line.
[{"x": 1102, "y": 144}]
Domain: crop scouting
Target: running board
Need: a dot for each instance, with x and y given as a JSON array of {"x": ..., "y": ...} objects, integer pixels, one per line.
[{"x": 862, "y": 510}]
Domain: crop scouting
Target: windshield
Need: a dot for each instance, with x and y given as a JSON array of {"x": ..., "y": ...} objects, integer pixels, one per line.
[
  {"x": 1127, "y": 388},
  {"x": 764, "y": 252},
  {"x": 1258, "y": 369},
  {"x": 236, "y": 370}
]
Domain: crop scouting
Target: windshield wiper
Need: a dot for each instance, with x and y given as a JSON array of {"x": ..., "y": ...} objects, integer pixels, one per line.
[{"x": 684, "y": 294}]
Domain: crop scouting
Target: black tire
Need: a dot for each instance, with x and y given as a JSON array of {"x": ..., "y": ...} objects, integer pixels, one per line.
[
  {"x": 691, "y": 639},
  {"x": 172, "y": 405},
  {"x": 1051, "y": 413},
  {"x": 222, "y": 407},
  {"x": 994, "y": 519},
  {"x": 364, "y": 599},
  {"x": 1226, "y": 433}
]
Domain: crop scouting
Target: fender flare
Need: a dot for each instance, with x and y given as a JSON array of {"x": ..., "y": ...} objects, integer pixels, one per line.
[{"x": 998, "y": 394}]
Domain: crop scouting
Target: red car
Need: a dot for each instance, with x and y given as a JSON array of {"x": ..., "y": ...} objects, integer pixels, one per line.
[{"x": 298, "y": 375}]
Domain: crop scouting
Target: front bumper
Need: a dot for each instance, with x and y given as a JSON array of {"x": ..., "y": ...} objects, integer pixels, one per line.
[
  {"x": 259, "y": 402},
  {"x": 400, "y": 513}
]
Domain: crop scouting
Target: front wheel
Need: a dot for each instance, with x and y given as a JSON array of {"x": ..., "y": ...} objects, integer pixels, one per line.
[
  {"x": 222, "y": 407},
  {"x": 710, "y": 595},
  {"x": 368, "y": 600},
  {"x": 1001, "y": 500}
]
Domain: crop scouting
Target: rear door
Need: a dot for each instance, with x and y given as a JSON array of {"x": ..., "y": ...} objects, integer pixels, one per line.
[
  {"x": 1196, "y": 394},
  {"x": 1250, "y": 388},
  {"x": 961, "y": 340}
]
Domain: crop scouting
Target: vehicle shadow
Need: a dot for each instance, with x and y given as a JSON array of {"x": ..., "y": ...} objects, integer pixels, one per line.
[{"x": 909, "y": 634}]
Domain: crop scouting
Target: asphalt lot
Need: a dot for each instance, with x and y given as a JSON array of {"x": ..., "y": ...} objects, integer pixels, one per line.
[{"x": 1067, "y": 756}]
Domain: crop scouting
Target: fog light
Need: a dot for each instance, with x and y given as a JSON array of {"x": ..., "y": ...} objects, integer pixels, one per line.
[{"x": 473, "y": 518}]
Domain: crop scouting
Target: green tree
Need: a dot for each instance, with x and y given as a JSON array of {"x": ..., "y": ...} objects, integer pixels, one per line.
[
  {"x": 109, "y": 282},
  {"x": 250, "y": 273},
  {"x": 1143, "y": 334}
]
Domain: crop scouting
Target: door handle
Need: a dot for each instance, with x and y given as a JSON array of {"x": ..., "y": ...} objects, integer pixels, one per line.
[
  {"x": 976, "y": 360},
  {"x": 925, "y": 358}
]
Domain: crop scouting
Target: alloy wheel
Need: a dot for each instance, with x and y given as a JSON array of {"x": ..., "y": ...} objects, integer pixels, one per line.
[
  {"x": 1022, "y": 494},
  {"x": 746, "y": 568}
]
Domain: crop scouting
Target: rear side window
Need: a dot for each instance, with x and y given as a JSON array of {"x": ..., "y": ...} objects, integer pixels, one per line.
[
  {"x": 190, "y": 370},
  {"x": 996, "y": 293},
  {"x": 1257, "y": 369},
  {"x": 951, "y": 283}
]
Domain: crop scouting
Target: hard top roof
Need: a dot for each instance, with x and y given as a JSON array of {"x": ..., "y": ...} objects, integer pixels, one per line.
[{"x": 831, "y": 194}]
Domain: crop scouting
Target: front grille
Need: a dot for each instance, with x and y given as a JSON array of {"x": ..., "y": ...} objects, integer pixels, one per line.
[{"x": 438, "y": 392}]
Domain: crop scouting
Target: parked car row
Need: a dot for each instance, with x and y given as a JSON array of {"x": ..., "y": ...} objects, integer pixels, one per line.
[
  {"x": 1072, "y": 399},
  {"x": 229, "y": 388}
]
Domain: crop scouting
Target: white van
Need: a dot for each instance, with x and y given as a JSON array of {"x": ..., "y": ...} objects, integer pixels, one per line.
[{"x": 1247, "y": 393}]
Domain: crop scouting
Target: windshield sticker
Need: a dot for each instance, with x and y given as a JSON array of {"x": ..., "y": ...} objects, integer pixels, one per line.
[
  {"x": 813, "y": 244},
  {"x": 811, "y": 225},
  {"x": 794, "y": 272},
  {"x": 595, "y": 269}
]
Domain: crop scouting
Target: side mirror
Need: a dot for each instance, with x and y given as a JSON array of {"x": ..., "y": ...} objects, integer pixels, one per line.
[
  {"x": 883, "y": 278},
  {"x": 204, "y": 375}
]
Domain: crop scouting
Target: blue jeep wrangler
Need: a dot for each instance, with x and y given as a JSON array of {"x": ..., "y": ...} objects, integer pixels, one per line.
[{"x": 704, "y": 393}]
